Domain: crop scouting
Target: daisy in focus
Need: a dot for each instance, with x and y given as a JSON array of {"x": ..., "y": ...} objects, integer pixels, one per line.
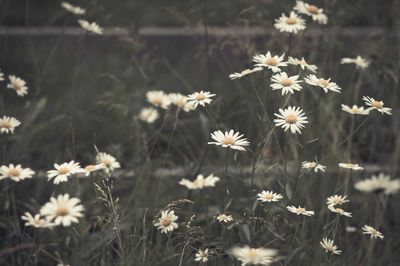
[
  {"x": 351, "y": 166},
  {"x": 329, "y": 246},
  {"x": 271, "y": 62},
  {"x": 200, "y": 182},
  {"x": 317, "y": 14},
  {"x": 18, "y": 85},
  {"x": 281, "y": 81},
  {"x": 355, "y": 110},
  {"x": 238, "y": 75},
  {"x": 90, "y": 26},
  {"x": 254, "y": 256},
  {"x": 291, "y": 118},
  {"x": 158, "y": 99},
  {"x": 202, "y": 255},
  {"x": 148, "y": 115},
  {"x": 62, "y": 210},
  {"x": 339, "y": 211},
  {"x": 369, "y": 230},
  {"x": 167, "y": 222},
  {"x": 325, "y": 84},
  {"x": 336, "y": 200},
  {"x": 8, "y": 124},
  {"x": 73, "y": 9},
  {"x": 358, "y": 61},
  {"x": 35, "y": 221},
  {"x": 229, "y": 140},
  {"x": 379, "y": 184},
  {"x": 292, "y": 23},
  {"x": 15, "y": 173},
  {"x": 181, "y": 101},
  {"x": 109, "y": 162},
  {"x": 300, "y": 210},
  {"x": 314, "y": 166},
  {"x": 269, "y": 196},
  {"x": 200, "y": 98},
  {"x": 377, "y": 105},
  {"x": 224, "y": 218},
  {"x": 302, "y": 63},
  {"x": 63, "y": 171}
]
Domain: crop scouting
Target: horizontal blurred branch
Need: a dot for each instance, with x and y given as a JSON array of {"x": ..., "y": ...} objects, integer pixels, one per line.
[{"x": 190, "y": 31}]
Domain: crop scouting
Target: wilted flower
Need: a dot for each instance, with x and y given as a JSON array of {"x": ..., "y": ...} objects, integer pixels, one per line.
[
  {"x": 18, "y": 85},
  {"x": 377, "y": 105},
  {"x": 110, "y": 162},
  {"x": 15, "y": 173},
  {"x": 148, "y": 115},
  {"x": 302, "y": 63},
  {"x": 90, "y": 26},
  {"x": 369, "y": 230},
  {"x": 313, "y": 165},
  {"x": 90, "y": 168},
  {"x": 255, "y": 256},
  {"x": 313, "y": 11},
  {"x": 166, "y": 222},
  {"x": 291, "y": 118},
  {"x": 355, "y": 110},
  {"x": 300, "y": 210},
  {"x": 339, "y": 211},
  {"x": 358, "y": 61},
  {"x": 202, "y": 255},
  {"x": 224, "y": 218},
  {"x": 378, "y": 184},
  {"x": 200, "y": 98},
  {"x": 271, "y": 62},
  {"x": 269, "y": 196},
  {"x": 329, "y": 246},
  {"x": 73, "y": 9},
  {"x": 352, "y": 166},
  {"x": 62, "y": 210},
  {"x": 238, "y": 75},
  {"x": 229, "y": 140},
  {"x": 292, "y": 24},
  {"x": 325, "y": 84},
  {"x": 200, "y": 182},
  {"x": 281, "y": 81}
]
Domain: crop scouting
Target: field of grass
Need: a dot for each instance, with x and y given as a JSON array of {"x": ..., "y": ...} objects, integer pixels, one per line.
[{"x": 153, "y": 182}]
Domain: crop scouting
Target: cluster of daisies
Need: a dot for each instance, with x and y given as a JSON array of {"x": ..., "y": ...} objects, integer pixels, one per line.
[{"x": 86, "y": 25}]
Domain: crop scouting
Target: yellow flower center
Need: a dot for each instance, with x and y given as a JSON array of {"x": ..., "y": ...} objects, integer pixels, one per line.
[
  {"x": 301, "y": 210},
  {"x": 6, "y": 124},
  {"x": 269, "y": 196},
  {"x": 165, "y": 221},
  {"x": 286, "y": 82},
  {"x": 323, "y": 82},
  {"x": 229, "y": 141},
  {"x": 377, "y": 104},
  {"x": 200, "y": 97},
  {"x": 291, "y": 21},
  {"x": 107, "y": 162},
  {"x": 90, "y": 168},
  {"x": 157, "y": 101},
  {"x": 13, "y": 172},
  {"x": 312, "y": 9},
  {"x": 62, "y": 211},
  {"x": 271, "y": 61},
  {"x": 63, "y": 170},
  {"x": 291, "y": 119},
  {"x": 252, "y": 253}
]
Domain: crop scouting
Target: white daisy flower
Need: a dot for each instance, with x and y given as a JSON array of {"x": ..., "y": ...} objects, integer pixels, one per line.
[
  {"x": 325, "y": 84},
  {"x": 329, "y": 246},
  {"x": 282, "y": 81},
  {"x": 269, "y": 196},
  {"x": 8, "y": 124},
  {"x": 238, "y": 75},
  {"x": 336, "y": 200},
  {"x": 369, "y": 230},
  {"x": 90, "y": 26},
  {"x": 254, "y": 256},
  {"x": 229, "y": 140},
  {"x": 355, "y": 110},
  {"x": 377, "y": 105},
  {"x": 158, "y": 99},
  {"x": 200, "y": 182},
  {"x": 90, "y": 168},
  {"x": 302, "y": 63},
  {"x": 73, "y": 9},
  {"x": 202, "y": 255},
  {"x": 314, "y": 166},
  {"x": 148, "y": 115},
  {"x": 300, "y": 210},
  {"x": 200, "y": 98},
  {"x": 36, "y": 221},
  {"x": 224, "y": 218},
  {"x": 358, "y": 61},
  {"x": 271, "y": 62},
  {"x": 352, "y": 166},
  {"x": 317, "y": 14},
  {"x": 291, "y": 24},
  {"x": 166, "y": 222},
  {"x": 379, "y": 184},
  {"x": 291, "y": 118},
  {"x": 181, "y": 101},
  {"x": 339, "y": 211},
  {"x": 110, "y": 162},
  {"x": 15, "y": 173},
  {"x": 62, "y": 210},
  {"x": 18, "y": 85},
  {"x": 63, "y": 171}
]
